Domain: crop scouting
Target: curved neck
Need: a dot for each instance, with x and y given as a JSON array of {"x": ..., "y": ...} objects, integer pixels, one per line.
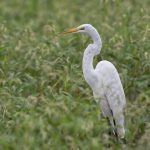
[
  {"x": 96, "y": 39},
  {"x": 89, "y": 53}
]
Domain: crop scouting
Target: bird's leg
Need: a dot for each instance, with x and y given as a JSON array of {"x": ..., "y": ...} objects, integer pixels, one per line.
[
  {"x": 115, "y": 130},
  {"x": 112, "y": 131}
]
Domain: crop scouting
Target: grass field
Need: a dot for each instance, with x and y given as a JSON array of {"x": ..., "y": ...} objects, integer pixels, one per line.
[{"x": 45, "y": 104}]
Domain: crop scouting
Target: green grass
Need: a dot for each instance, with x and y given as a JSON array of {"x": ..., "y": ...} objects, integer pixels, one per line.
[{"x": 44, "y": 101}]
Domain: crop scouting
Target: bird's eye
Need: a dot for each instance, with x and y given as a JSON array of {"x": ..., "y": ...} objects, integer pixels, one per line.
[{"x": 82, "y": 28}]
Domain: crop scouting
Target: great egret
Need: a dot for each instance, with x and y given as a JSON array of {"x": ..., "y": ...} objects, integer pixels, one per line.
[{"x": 104, "y": 81}]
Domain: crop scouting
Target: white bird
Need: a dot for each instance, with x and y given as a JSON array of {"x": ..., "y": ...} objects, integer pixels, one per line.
[{"x": 104, "y": 81}]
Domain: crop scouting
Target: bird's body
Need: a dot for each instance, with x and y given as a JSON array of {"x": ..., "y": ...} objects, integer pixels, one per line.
[{"x": 104, "y": 81}]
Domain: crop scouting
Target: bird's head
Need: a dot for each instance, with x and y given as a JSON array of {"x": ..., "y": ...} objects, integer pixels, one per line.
[
  {"x": 85, "y": 28},
  {"x": 89, "y": 30}
]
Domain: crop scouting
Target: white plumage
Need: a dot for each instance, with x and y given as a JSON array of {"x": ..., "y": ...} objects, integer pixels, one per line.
[{"x": 104, "y": 81}]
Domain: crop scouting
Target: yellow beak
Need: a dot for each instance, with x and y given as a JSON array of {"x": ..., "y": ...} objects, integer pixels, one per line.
[{"x": 72, "y": 30}]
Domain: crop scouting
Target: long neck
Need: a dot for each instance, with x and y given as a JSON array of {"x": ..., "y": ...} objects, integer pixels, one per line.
[
  {"x": 96, "y": 39},
  {"x": 87, "y": 63}
]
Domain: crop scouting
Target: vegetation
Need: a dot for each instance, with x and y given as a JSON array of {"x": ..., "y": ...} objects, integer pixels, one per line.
[{"x": 44, "y": 101}]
